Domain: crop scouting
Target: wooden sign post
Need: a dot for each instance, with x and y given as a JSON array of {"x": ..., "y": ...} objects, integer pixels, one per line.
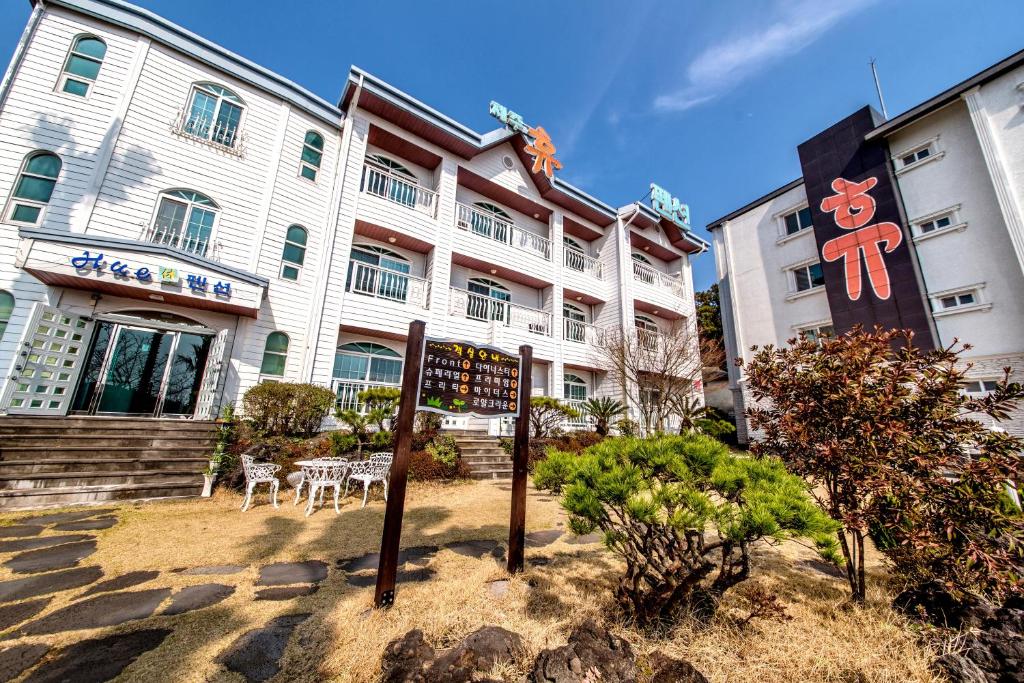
[
  {"x": 520, "y": 459},
  {"x": 384, "y": 595},
  {"x": 455, "y": 378}
]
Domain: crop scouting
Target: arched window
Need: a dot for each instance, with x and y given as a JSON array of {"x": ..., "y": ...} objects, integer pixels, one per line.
[
  {"x": 574, "y": 388},
  {"x": 34, "y": 187},
  {"x": 488, "y": 300},
  {"x": 214, "y": 113},
  {"x": 573, "y": 245},
  {"x": 392, "y": 165},
  {"x": 275, "y": 355},
  {"x": 184, "y": 220},
  {"x": 641, "y": 258},
  {"x": 6, "y": 310},
  {"x": 367, "y": 362},
  {"x": 294, "y": 254},
  {"x": 82, "y": 65},
  {"x": 491, "y": 221},
  {"x": 646, "y": 324},
  {"x": 646, "y": 331},
  {"x": 574, "y": 322},
  {"x": 378, "y": 272},
  {"x": 312, "y": 154}
]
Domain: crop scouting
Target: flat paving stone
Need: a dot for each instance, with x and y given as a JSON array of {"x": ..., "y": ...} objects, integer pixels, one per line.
[
  {"x": 538, "y": 561},
  {"x": 12, "y": 615},
  {"x": 284, "y": 573},
  {"x": 539, "y": 539},
  {"x": 18, "y": 530},
  {"x": 474, "y": 549},
  {"x": 586, "y": 539},
  {"x": 418, "y": 555},
  {"x": 61, "y": 517},
  {"x": 214, "y": 569},
  {"x": 32, "y": 586},
  {"x": 498, "y": 589},
  {"x": 285, "y": 592},
  {"x": 16, "y": 660},
  {"x": 197, "y": 597},
  {"x": 98, "y": 660},
  {"x": 121, "y": 582},
  {"x": 256, "y": 655},
  {"x": 87, "y": 524},
  {"x": 40, "y": 542},
  {"x": 46, "y": 559},
  {"x": 364, "y": 579},
  {"x": 103, "y": 610}
]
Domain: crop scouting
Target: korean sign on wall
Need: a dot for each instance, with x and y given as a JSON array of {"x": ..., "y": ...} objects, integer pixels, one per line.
[
  {"x": 869, "y": 270},
  {"x": 460, "y": 378}
]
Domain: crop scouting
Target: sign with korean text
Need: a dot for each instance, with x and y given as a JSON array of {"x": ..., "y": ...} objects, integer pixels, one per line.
[
  {"x": 88, "y": 262},
  {"x": 869, "y": 268},
  {"x": 541, "y": 149},
  {"x": 460, "y": 378},
  {"x": 670, "y": 207}
]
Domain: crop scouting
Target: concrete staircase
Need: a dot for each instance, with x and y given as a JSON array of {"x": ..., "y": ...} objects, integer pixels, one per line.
[
  {"x": 484, "y": 455},
  {"x": 50, "y": 461}
]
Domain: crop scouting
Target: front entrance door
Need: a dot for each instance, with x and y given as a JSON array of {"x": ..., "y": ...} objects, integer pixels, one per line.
[{"x": 134, "y": 370}]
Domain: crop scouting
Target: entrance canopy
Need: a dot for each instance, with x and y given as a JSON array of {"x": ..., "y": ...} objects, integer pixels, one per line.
[{"x": 139, "y": 270}]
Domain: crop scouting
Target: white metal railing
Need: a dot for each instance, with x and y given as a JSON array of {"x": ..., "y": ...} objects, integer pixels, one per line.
[
  {"x": 579, "y": 332},
  {"x": 347, "y": 392},
  {"x": 381, "y": 283},
  {"x": 584, "y": 420},
  {"x": 228, "y": 138},
  {"x": 574, "y": 260},
  {"x": 177, "y": 238},
  {"x": 492, "y": 226},
  {"x": 479, "y": 307},
  {"x": 381, "y": 182},
  {"x": 647, "y": 339},
  {"x": 655, "y": 278}
]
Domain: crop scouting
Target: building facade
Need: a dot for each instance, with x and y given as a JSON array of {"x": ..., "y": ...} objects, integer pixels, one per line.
[
  {"x": 180, "y": 224},
  {"x": 942, "y": 188}
]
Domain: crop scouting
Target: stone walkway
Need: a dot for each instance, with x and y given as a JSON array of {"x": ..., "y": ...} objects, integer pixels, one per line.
[{"x": 57, "y": 564}]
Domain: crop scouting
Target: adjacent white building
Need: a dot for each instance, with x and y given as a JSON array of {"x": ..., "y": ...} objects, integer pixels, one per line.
[
  {"x": 957, "y": 161},
  {"x": 180, "y": 224}
]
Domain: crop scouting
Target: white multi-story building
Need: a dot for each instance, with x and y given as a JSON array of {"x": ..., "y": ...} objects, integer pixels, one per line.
[
  {"x": 956, "y": 163},
  {"x": 180, "y": 224}
]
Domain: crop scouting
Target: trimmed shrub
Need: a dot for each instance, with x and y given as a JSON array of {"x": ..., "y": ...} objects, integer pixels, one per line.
[
  {"x": 443, "y": 449},
  {"x": 287, "y": 408}
]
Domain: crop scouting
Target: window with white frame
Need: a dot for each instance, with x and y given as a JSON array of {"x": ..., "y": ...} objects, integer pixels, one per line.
[
  {"x": 934, "y": 224},
  {"x": 978, "y": 388},
  {"x": 82, "y": 66},
  {"x": 797, "y": 221},
  {"x": 34, "y": 188},
  {"x": 294, "y": 253},
  {"x": 948, "y": 301},
  {"x": 574, "y": 388},
  {"x": 6, "y": 310},
  {"x": 807, "y": 277},
  {"x": 816, "y": 333},
  {"x": 214, "y": 114},
  {"x": 184, "y": 220},
  {"x": 367, "y": 362},
  {"x": 916, "y": 154},
  {"x": 312, "y": 155},
  {"x": 275, "y": 355}
]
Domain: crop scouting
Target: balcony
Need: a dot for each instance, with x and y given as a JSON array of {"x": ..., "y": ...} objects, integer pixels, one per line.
[
  {"x": 185, "y": 238},
  {"x": 383, "y": 183},
  {"x": 582, "y": 263},
  {"x": 579, "y": 332},
  {"x": 655, "y": 278},
  {"x": 380, "y": 283},
  {"x": 473, "y": 306},
  {"x": 584, "y": 421},
  {"x": 224, "y": 137},
  {"x": 493, "y": 227},
  {"x": 347, "y": 392}
]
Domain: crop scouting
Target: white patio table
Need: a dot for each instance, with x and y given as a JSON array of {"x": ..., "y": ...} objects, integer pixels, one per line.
[{"x": 307, "y": 468}]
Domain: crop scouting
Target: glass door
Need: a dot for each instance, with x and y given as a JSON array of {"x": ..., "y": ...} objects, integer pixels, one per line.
[
  {"x": 135, "y": 372},
  {"x": 186, "y": 374}
]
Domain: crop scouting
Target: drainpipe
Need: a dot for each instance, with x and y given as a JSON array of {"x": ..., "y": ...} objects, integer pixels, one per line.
[{"x": 19, "y": 51}]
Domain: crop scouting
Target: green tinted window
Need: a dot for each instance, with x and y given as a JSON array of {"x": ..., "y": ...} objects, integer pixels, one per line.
[
  {"x": 308, "y": 173},
  {"x": 275, "y": 354},
  {"x": 36, "y": 189},
  {"x": 76, "y": 87},
  {"x": 44, "y": 164},
  {"x": 294, "y": 254},
  {"x": 25, "y": 214},
  {"x": 92, "y": 47},
  {"x": 297, "y": 235},
  {"x": 278, "y": 342},
  {"x": 290, "y": 273},
  {"x": 86, "y": 68}
]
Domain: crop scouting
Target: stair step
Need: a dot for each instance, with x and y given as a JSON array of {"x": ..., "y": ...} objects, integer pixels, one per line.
[
  {"x": 20, "y": 499},
  {"x": 485, "y": 459},
  {"x": 39, "y": 452},
  {"x": 59, "y": 480},
  {"x": 492, "y": 474},
  {"x": 57, "y": 465},
  {"x": 78, "y": 440}
]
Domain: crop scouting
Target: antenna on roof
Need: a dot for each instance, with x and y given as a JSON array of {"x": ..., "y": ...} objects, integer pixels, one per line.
[{"x": 878, "y": 88}]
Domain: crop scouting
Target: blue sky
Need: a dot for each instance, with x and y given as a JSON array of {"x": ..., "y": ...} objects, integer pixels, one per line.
[{"x": 707, "y": 99}]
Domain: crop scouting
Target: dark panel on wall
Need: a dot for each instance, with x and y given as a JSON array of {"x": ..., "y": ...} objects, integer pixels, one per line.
[{"x": 864, "y": 246}]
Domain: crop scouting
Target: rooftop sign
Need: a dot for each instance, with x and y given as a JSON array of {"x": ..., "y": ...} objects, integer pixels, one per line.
[
  {"x": 670, "y": 207},
  {"x": 542, "y": 149}
]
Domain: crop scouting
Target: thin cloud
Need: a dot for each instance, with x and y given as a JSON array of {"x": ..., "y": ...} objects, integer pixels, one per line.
[{"x": 789, "y": 27}]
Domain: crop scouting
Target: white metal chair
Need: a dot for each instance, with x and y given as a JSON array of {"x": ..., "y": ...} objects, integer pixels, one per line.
[
  {"x": 259, "y": 473},
  {"x": 325, "y": 473},
  {"x": 303, "y": 477},
  {"x": 376, "y": 468}
]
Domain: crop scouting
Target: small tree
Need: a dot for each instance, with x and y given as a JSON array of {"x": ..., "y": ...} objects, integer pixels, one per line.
[
  {"x": 603, "y": 410},
  {"x": 547, "y": 413},
  {"x": 690, "y": 412},
  {"x": 381, "y": 404},
  {"x": 683, "y": 513},
  {"x": 890, "y": 443},
  {"x": 658, "y": 369}
]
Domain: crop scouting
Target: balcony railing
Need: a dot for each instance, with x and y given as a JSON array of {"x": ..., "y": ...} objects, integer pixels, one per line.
[
  {"x": 584, "y": 421},
  {"x": 226, "y": 138},
  {"x": 381, "y": 182},
  {"x": 492, "y": 226},
  {"x": 655, "y": 278},
  {"x": 479, "y": 307},
  {"x": 374, "y": 281},
  {"x": 583, "y": 263},
  {"x": 579, "y": 332},
  {"x": 347, "y": 393},
  {"x": 180, "y": 238}
]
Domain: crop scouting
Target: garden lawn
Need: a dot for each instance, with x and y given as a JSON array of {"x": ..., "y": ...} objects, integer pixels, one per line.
[{"x": 566, "y": 581}]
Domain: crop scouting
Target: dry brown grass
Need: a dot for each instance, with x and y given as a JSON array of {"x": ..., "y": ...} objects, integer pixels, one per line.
[{"x": 823, "y": 641}]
